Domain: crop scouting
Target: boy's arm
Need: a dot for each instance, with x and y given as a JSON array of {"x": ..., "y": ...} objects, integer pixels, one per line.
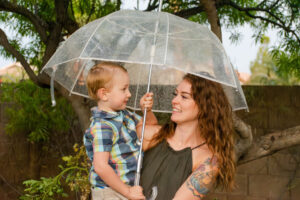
[
  {"x": 147, "y": 102},
  {"x": 150, "y": 119},
  {"x": 108, "y": 175}
]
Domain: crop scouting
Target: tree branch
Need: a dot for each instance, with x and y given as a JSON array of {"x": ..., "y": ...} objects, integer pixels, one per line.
[
  {"x": 271, "y": 143},
  {"x": 91, "y": 12},
  {"x": 40, "y": 25},
  {"x": 243, "y": 130},
  {"x": 62, "y": 15},
  {"x": 152, "y": 6},
  {"x": 119, "y": 4},
  {"x": 266, "y": 10},
  {"x": 190, "y": 12},
  {"x": 9, "y": 48},
  {"x": 55, "y": 33}
]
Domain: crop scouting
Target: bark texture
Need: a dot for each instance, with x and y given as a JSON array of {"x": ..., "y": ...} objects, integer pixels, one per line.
[
  {"x": 212, "y": 17},
  {"x": 271, "y": 143}
]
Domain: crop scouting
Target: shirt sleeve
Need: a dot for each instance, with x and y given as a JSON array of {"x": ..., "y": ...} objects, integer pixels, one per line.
[
  {"x": 136, "y": 118},
  {"x": 103, "y": 137}
]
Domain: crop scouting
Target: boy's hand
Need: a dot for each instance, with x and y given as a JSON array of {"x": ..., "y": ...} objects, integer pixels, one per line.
[
  {"x": 147, "y": 101},
  {"x": 135, "y": 193}
]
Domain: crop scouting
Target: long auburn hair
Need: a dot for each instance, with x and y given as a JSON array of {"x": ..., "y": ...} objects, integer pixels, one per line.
[{"x": 214, "y": 124}]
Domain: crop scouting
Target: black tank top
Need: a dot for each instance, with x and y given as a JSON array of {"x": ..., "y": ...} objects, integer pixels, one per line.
[{"x": 165, "y": 168}]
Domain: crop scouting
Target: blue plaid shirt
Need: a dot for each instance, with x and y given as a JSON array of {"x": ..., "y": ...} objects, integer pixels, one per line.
[{"x": 113, "y": 132}]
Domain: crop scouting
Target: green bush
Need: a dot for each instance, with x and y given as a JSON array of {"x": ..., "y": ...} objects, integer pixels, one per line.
[
  {"x": 74, "y": 173},
  {"x": 32, "y": 113}
]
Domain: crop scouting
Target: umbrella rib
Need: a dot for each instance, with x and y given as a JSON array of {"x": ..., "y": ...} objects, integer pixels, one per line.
[
  {"x": 80, "y": 94},
  {"x": 167, "y": 39},
  {"x": 138, "y": 25},
  {"x": 126, "y": 27},
  {"x": 222, "y": 82},
  {"x": 92, "y": 36},
  {"x": 124, "y": 61},
  {"x": 239, "y": 87},
  {"x": 65, "y": 62},
  {"x": 81, "y": 70},
  {"x": 241, "y": 108},
  {"x": 186, "y": 30},
  {"x": 160, "y": 111},
  {"x": 182, "y": 38},
  {"x": 137, "y": 87}
]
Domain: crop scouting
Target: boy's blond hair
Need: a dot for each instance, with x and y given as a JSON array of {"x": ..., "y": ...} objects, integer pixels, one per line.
[{"x": 100, "y": 76}]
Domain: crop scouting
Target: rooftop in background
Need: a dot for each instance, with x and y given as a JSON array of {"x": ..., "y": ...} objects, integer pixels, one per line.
[
  {"x": 243, "y": 77},
  {"x": 13, "y": 72}
]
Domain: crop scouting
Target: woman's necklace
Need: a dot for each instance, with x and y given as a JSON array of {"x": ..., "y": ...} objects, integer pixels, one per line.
[{"x": 181, "y": 145}]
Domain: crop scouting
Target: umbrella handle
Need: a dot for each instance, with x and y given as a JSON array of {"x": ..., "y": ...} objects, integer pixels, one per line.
[
  {"x": 52, "y": 88},
  {"x": 154, "y": 193}
]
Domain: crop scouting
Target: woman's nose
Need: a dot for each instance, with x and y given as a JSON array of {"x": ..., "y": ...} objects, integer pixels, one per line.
[{"x": 175, "y": 99}]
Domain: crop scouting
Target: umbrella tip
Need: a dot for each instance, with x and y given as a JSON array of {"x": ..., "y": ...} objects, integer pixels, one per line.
[{"x": 53, "y": 103}]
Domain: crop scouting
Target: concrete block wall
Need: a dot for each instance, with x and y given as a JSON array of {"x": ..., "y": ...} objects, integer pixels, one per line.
[{"x": 275, "y": 177}]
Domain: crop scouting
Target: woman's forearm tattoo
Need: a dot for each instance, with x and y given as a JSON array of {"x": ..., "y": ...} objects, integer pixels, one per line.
[{"x": 201, "y": 179}]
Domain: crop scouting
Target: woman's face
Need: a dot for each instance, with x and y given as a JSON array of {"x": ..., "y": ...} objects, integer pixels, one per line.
[{"x": 185, "y": 109}]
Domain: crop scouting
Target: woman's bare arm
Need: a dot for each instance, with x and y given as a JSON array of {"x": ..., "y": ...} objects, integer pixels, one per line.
[
  {"x": 199, "y": 182},
  {"x": 150, "y": 131}
]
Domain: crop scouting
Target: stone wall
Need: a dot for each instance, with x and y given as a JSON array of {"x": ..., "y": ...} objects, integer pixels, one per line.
[{"x": 276, "y": 177}]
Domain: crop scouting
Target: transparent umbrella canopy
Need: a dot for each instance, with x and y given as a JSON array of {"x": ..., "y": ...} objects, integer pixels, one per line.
[{"x": 159, "y": 43}]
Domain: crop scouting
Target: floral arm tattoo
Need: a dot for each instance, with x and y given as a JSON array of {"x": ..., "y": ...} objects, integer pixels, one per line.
[{"x": 201, "y": 179}]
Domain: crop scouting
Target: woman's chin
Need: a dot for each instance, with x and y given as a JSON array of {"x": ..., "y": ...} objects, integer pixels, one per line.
[{"x": 174, "y": 119}]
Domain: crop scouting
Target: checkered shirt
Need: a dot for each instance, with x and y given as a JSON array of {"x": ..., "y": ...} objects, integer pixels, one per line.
[{"x": 113, "y": 132}]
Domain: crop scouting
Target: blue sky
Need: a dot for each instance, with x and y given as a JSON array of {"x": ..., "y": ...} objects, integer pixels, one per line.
[{"x": 240, "y": 54}]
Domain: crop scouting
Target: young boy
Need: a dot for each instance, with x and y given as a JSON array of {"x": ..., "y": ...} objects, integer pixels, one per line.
[{"x": 111, "y": 141}]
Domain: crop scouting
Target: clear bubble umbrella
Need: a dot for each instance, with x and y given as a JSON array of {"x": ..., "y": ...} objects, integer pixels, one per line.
[
  {"x": 172, "y": 45},
  {"x": 156, "y": 48}
]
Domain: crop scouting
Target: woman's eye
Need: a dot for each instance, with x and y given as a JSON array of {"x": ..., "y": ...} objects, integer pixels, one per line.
[
  {"x": 184, "y": 97},
  {"x": 174, "y": 94}
]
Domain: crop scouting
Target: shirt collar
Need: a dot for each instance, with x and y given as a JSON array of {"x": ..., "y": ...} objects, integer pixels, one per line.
[{"x": 96, "y": 113}]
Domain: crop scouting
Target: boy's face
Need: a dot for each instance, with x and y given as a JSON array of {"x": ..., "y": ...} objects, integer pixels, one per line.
[{"x": 118, "y": 94}]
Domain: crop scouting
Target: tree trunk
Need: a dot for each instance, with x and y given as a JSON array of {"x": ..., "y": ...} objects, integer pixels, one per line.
[
  {"x": 80, "y": 105},
  {"x": 212, "y": 17}
]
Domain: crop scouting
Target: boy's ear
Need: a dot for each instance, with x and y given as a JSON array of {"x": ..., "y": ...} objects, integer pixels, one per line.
[{"x": 102, "y": 94}]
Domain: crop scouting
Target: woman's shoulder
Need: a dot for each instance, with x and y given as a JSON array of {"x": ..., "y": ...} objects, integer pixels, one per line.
[
  {"x": 201, "y": 179},
  {"x": 204, "y": 158}
]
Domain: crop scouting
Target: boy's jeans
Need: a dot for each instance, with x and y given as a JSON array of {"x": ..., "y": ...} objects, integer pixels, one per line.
[{"x": 106, "y": 194}]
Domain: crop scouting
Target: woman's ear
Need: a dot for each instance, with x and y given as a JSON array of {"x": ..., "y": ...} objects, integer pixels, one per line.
[{"x": 102, "y": 94}]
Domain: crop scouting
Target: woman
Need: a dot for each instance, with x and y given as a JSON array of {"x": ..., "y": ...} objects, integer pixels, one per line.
[{"x": 194, "y": 151}]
